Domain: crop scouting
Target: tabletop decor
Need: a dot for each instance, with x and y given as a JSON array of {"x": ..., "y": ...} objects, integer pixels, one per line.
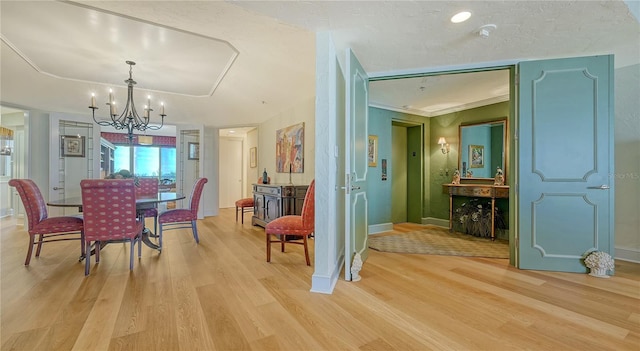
[
  {"x": 124, "y": 174},
  {"x": 599, "y": 262}
]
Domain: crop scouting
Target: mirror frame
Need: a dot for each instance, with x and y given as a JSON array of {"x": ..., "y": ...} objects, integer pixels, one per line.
[{"x": 505, "y": 146}]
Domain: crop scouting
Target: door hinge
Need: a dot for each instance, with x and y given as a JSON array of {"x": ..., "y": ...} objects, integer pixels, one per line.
[{"x": 515, "y": 135}]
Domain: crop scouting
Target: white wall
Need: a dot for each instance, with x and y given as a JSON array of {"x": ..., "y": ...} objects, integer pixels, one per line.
[
  {"x": 627, "y": 163},
  {"x": 252, "y": 174},
  {"x": 302, "y": 112}
]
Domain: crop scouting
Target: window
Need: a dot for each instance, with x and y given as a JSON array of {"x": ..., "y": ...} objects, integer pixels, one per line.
[{"x": 148, "y": 161}]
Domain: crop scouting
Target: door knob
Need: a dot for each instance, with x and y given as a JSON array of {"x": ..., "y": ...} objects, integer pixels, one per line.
[
  {"x": 56, "y": 188},
  {"x": 601, "y": 187}
]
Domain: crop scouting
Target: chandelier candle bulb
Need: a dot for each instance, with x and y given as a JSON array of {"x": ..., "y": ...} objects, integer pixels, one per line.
[
  {"x": 93, "y": 100},
  {"x": 162, "y": 108}
]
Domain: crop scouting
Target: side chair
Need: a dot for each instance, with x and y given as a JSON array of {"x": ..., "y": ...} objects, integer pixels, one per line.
[
  {"x": 109, "y": 207},
  {"x": 39, "y": 224},
  {"x": 183, "y": 217},
  {"x": 290, "y": 229},
  {"x": 148, "y": 186},
  {"x": 247, "y": 202}
]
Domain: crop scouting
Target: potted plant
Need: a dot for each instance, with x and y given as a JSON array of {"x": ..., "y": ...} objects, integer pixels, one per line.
[{"x": 599, "y": 262}]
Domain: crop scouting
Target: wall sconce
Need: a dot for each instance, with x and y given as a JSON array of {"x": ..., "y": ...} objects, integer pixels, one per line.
[{"x": 444, "y": 147}]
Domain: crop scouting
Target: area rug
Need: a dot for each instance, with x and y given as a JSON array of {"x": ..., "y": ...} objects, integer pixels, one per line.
[{"x": 438, "y": 241}]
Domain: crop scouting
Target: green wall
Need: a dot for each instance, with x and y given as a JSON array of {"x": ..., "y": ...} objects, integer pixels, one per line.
[
  {"x": 447, "y": 126},
  {"x": 437, "y": 167},
  {"x": 379, "y": 191}
]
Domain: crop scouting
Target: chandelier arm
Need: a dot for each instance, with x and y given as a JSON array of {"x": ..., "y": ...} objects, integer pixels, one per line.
[{"x": 129, "y": 118}]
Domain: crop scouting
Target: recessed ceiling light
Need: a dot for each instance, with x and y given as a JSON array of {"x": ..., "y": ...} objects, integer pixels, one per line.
[
  {"x": 461, "y": 17},
  {"x": 232, "y": 131}
]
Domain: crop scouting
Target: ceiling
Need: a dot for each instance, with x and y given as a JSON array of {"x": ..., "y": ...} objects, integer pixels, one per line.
[{"x": 238, "y": 63}]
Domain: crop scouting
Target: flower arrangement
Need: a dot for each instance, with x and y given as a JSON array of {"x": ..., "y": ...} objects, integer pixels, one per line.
[
  {"x": 474, "y": 217},
  {"x": 124, "y": 174},
  {"x": 599, "y": 262}
]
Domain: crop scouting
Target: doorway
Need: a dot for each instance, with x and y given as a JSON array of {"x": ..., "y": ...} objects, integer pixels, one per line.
[{"x": 406, "y": 175}]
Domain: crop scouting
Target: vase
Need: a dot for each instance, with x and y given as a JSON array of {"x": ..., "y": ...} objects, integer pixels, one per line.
[{"x": 599, "y": 272}]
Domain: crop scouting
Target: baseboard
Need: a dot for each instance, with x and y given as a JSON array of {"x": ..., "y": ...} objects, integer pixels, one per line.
[
  {"x": 436, "y": 221},
  {"x": 380, "y": 228},
  {"x": 324, "y": 284},
  {"x": 627, "y": 254}
]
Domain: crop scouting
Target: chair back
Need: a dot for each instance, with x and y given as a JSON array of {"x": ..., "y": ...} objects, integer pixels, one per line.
[
  {"x": 34, "y": 204},
  {"x": 109, "y": 207},
  {"x": 308, "y": 207},
  {"x": 196, "y": 193},
  {"x": 147, "y": 186}
]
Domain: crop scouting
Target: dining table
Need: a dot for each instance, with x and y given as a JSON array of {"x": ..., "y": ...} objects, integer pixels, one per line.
[{"x": 143, "y": 202}]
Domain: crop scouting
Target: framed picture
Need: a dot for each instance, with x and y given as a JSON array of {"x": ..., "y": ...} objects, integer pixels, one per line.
[
  {"x": 476, "y": 156},
  {"x": 72, "y": 146},
  {"x": 290, "y": 149},
  {"x": 253, "y": 157},
  {"x": 194, "y": 151},
  {"x": 372, "y": 151}
]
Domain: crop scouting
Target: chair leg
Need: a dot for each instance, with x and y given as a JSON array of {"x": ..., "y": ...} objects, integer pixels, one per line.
[
  {"x": 268, "y": 247},
  {"x": 40, "y": 241},
  {"x": 306, "y": 250},
  {"x": 140, "y": 246},
  {"x": 131, "y": 248},
  {"x": 87, "y": 258},
  {"x": 160, "y": 239},
  {"x": 194, "y": 227},
  {"x": 29, "y": 250},
  {"x": 96, "y": 245},
  {"x": 241, "y": 214},
  {"x": 82, "y": 244},
  {"x": 237, "y": 213},
  {"x": 283, "y": 239},
  {"x": 155, "y": 224}
]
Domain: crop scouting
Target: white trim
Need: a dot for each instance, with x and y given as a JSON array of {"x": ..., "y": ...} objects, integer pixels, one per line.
[
  {"x": 436, "y": 221},
  {"x": 630, "y": 254},
  {"x": 325, "y": 284},
  {"x": 379, "y": 228},
  {"x": 444, "y": 69}
]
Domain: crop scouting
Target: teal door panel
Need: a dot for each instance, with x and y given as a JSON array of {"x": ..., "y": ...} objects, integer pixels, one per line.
[
  {"x": 356, "y": 162},
  {"x": 565, "y": 158}
]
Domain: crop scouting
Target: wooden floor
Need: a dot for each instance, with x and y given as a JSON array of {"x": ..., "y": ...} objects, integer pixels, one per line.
[{"x": 222, "y": 295}]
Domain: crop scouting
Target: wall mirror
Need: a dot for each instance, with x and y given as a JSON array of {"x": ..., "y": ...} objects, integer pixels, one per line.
[{"x": 482, "y": 149}]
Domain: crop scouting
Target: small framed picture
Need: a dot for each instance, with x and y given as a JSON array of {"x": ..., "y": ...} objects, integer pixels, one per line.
[
  {"x": 476, "y": 156},
  {"x": 194, "y": 151},
  {"x": 372, "y": 150},
  {"x": 253, "y": 157},
  {"x": 72, "y": 146}
]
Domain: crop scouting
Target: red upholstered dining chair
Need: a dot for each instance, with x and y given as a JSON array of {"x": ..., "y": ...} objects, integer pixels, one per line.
[
  {"x": 183, "y": 217},
  {"x": 148, "y": 186},
  {"x": 109, "y": 207},
  {"x": 247, "y": 202},
  {"x": 39, "y": 224},
  {"x": 298, "y": 227}
]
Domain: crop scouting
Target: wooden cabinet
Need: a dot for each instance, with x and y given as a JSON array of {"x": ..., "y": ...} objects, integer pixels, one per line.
[
  {"x": 476, "y": 190},
  {"x": 276, "y": 200}
]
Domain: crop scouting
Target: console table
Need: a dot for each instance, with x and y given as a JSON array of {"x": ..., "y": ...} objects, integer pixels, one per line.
[
  {"x": 476, "y": 190},
  {"x": 276, "y": 200}
]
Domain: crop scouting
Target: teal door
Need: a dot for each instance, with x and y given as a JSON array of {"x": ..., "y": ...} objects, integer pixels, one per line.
[
  {"x": 356, "y": 162},
  {"x": 564, "y": 146}
]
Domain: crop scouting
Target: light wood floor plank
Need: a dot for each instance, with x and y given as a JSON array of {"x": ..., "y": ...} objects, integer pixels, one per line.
[{"x": 223, "y": 295}]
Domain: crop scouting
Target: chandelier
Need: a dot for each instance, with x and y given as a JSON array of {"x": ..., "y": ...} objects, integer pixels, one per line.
[{"x": 129, "y": 118}]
